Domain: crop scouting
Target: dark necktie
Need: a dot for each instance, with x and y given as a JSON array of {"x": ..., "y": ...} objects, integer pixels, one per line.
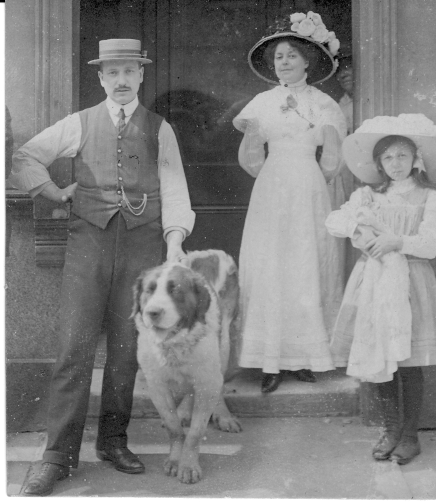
[{"x": 122, "y": 121}]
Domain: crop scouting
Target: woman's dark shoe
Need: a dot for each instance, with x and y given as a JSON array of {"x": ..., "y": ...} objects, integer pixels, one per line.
[
  {"x": 123, "y": 459},
  {"x": 386, "y": 445},
  {"x": 271, "y": 381},
  {"x": 304, "y": 375},
  {"x": 42, "y": 483},
  {"x": 408, "y": 448}
]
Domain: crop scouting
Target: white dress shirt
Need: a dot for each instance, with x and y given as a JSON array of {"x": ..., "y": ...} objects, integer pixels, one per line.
[{"x": 30, "y": 163}]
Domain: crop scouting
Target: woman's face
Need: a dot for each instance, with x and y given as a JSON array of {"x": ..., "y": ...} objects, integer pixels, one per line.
[
  {"x": 397, "y": 161},
  {"x": 289, "y": 64}
]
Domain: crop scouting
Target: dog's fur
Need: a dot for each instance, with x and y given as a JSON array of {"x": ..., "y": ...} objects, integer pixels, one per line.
[{"x": 186, "y": 319}]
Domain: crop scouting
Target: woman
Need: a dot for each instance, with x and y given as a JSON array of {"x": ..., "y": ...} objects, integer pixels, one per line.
[
  {"x": 290, "y": 291},
  {"x": 386, "y": 328}
]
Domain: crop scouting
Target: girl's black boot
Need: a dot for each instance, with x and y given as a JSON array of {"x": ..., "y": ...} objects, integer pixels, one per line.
[
  {"x": 413, "y": 388},
  {"x": 391, "y": 434}
]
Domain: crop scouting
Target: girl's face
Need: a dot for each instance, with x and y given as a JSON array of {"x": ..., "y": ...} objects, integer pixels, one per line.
[
  {"x": 289, "y": 64},
  {"x": 397, "y": 161}
]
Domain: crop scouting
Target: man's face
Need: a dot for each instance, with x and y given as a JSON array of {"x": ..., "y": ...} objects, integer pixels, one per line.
[
  {"x": 345, "y": 78},
  {"x": 121, "y": 80}
]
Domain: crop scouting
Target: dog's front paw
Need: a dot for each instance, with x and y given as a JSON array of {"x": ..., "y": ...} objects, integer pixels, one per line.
[
  {"x": 226, "y": 422},
  {"x": 171, "y": 467},
  {"x": 189, "y": 473}
]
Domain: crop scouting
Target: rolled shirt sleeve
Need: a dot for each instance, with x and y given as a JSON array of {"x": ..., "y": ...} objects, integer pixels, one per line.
[
  {"x": 176, "y": 205},
  {"x": 30, "y": 162}
]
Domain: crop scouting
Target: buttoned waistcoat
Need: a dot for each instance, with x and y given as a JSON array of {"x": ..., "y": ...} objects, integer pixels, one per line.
[{"x": 112, "y": 166}]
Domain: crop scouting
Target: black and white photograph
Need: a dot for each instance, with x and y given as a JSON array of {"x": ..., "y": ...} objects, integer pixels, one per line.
[{"x": 219, "y": 243}]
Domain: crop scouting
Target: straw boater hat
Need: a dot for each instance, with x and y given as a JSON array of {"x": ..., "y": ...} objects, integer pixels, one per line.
[
  {"x": 125, "y": 49},
  {"x": 310, "y": 29},
  {"x": 358, "y": 147}
]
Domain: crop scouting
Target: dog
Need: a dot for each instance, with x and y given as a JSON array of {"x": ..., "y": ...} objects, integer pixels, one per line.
[{"x": 187, "y": 322}]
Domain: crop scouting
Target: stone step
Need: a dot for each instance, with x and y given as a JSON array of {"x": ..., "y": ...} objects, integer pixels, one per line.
[{"x": 334, "y": 394}]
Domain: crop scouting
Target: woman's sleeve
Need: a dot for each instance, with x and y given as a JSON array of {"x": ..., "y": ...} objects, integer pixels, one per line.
[
  {"x": 332, "y": 115},
  {"x": 332, "y": 129},
  {"x": 331, "y": 156},
  {"x": 343, "y": 222},
  {"x": 423, "y": 244},
  {"x": 251, "y": 153}
]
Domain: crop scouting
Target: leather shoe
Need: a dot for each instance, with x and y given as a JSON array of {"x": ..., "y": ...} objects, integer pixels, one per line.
[
  {"x": 304, "y": 375},
  {"x": 407, "y": 449},
  {"x": 123, "y": 459},
  {"x": 271, "y": 381},
  {"x": 386, "y": 444},
  {"x": 43, "y": 482}
]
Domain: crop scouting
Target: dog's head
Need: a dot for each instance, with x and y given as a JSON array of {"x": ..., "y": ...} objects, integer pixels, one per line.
[{"x": 171, "y": 295}]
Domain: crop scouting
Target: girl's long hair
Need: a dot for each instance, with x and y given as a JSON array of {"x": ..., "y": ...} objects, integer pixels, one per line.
[{"x": 420, "y": 177}]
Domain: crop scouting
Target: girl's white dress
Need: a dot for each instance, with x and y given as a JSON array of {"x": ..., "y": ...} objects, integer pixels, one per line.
[
  {"x": 388, "y": 315},
  {"x": 290, "y": 292}
]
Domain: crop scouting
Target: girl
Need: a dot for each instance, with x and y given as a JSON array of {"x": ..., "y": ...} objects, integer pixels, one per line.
[{"x": 386, "y": 327}]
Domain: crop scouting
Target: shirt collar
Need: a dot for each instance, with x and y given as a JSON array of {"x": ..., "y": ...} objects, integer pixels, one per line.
[
  {"x": 129, "y": 108},
  {"x": 301, "y": 83},
  {"x": 346, "y": 98}
]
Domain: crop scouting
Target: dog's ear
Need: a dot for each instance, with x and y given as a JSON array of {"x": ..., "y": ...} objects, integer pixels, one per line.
[
  {"x": 137, "y": 292},
  {"x": 203, "y": 299}
]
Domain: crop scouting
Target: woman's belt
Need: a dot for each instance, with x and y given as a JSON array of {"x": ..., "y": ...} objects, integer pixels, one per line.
[{"x": 409, "y": 257}]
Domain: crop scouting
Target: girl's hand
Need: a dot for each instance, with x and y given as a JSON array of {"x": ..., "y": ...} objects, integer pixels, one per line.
[{"x": 383, "y": 243}]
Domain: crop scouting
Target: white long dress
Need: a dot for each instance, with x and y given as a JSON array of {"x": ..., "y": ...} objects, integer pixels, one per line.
[{"x": 290, "y": 292}]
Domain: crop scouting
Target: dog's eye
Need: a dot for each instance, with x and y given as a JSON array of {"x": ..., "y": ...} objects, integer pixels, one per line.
[
  {"x": 151, "y": 287},
  {"x": 173, "y": 288}
]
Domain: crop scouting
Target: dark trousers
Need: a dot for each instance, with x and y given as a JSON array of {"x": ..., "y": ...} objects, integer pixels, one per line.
[{"x": 100, "y": 269}]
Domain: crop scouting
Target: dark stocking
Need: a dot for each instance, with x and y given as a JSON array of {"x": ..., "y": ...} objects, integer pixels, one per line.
[
  {"x": 388, "y": 398},
  {"x": 413, "y": 390}
]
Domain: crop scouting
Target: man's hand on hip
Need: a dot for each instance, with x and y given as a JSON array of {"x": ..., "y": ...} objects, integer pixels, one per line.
[{"x": 53, "y": 192}]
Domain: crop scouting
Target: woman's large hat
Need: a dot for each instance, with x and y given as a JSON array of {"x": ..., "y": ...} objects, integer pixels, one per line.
[
  {"x": 125, "y": 49},
  {"x": 358, "y": 147},
  {"x": 310, "y": 29}
]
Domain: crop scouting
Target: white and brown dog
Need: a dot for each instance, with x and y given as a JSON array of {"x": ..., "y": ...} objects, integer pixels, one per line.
[{"x": 186, "y": 317}]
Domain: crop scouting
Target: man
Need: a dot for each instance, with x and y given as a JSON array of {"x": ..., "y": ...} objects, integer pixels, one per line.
[
  {"x": 342, "y": 186},
  {"x": 344, "y": 76},
  {"x": 130, "y": 188}
]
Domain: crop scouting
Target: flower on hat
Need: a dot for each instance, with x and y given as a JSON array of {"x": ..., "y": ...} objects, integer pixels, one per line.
[
  {"x": 308, "y": 25},
  {"x": 306, "y": 28},
  {"x": 331, "y": 36},
  {"x": 321, "y": 34},
  {"x": 297, "y": 17},
  {"x": 316, "y": 18},
  {"x": 334, "y": 46}
]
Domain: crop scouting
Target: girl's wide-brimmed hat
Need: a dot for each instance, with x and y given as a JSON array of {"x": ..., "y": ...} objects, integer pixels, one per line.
[
  {"x": 308, "y": 28},
  {"x": 125, "y": 49},
  {"x": 358, "y": 147}
]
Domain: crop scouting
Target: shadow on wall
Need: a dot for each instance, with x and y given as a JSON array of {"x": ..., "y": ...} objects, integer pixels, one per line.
[{"x": 202, "y": 124}]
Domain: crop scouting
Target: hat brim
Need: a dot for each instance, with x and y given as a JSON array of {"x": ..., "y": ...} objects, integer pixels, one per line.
[
  {"x": 121, "y": 58},
  {"x": 357, "y": 150},
  {"x": 325, "y": 67}
]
